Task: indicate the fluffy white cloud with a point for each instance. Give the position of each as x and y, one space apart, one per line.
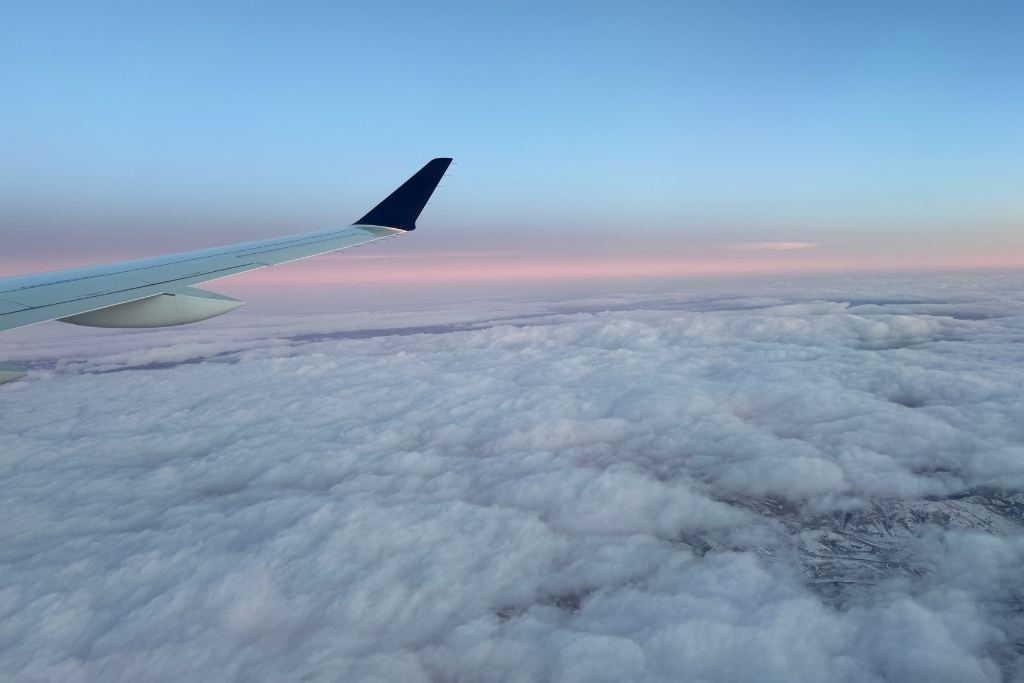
781 484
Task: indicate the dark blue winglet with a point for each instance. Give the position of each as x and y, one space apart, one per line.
403 206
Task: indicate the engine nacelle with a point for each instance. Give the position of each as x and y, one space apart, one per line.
188 306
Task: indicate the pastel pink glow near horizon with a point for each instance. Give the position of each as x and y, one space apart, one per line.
493 266
540 269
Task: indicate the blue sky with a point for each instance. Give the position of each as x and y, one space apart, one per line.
576 125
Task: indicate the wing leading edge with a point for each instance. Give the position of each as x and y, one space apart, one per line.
29 299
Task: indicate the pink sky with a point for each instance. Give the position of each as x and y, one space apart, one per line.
392 264
422 271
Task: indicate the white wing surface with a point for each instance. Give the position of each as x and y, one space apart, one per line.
158 291
28 299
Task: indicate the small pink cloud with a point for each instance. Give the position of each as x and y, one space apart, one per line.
773 246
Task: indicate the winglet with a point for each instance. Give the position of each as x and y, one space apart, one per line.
403 206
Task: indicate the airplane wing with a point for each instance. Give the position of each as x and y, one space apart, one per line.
158 291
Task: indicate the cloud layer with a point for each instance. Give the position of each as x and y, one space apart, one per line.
780 484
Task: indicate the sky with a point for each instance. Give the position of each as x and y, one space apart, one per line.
703 364
755 484
601 142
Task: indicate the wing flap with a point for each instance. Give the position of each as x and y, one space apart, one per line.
33 297
10 306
